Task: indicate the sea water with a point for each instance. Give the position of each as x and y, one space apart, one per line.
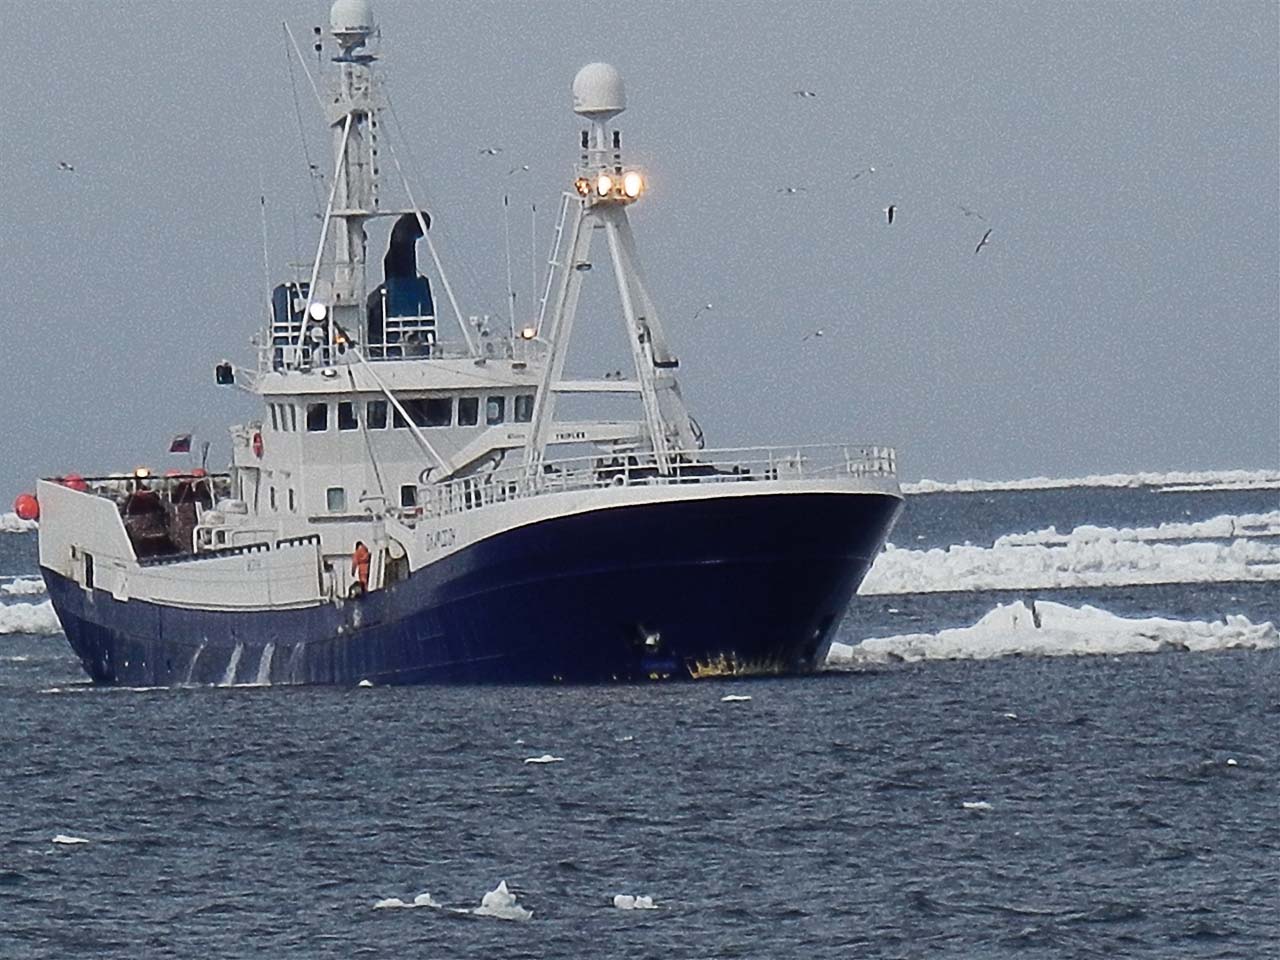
1038 803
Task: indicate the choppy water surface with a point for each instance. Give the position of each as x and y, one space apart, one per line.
1023 807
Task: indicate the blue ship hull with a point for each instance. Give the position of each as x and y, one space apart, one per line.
679 589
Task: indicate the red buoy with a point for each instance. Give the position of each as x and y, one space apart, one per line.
74 481
26 506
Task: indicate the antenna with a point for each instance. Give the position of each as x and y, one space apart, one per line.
511 289
266 264
533 251
599 96
351 22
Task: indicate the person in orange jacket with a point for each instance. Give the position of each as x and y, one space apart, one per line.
360 565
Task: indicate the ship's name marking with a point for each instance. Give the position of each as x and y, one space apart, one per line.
439 539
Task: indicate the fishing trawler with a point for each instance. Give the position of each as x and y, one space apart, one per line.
408 508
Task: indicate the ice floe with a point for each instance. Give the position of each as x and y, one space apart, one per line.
1225 527
1090 556
545 758
68 840
1197 479
978 806
625 901
421 900
735 698
1054 630
22 586
12 523
31 618
501 903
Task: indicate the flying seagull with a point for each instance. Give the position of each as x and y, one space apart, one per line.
491 151
803 94
815 333
889 211
867 171
515 170
66 167
702 309
983 242
791 190
970 213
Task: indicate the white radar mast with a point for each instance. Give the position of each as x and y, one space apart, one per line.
336 304
603 188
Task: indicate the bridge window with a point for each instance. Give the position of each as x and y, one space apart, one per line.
468 411
495 410
430 411
408 495
439 411
347 416
292 411
317 417
524 408
375 414
275 422
336 499
272 491
292 506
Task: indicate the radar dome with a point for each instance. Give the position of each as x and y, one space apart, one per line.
351 17
597 92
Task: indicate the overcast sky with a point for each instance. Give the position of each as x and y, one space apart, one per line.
1123 317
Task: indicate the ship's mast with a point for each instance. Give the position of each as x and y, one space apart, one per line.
603 189
352 115
353 120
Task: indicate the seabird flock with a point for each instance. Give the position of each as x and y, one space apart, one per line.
891 211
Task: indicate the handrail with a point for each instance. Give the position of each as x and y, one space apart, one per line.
803 462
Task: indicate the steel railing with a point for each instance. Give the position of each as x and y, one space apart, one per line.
747 464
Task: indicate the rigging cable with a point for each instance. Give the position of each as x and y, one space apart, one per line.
297 112
426 235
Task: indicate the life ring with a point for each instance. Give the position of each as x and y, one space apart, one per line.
619 480
256 443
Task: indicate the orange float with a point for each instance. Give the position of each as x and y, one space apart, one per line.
26 506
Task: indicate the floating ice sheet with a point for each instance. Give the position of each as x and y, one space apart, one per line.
545 758
12 523
68 840
1090 556
1199 479
32 618
1055 630
21 586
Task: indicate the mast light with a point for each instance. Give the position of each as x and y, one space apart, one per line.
632 184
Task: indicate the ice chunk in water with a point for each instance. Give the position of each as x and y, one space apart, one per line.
625 901
501 903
